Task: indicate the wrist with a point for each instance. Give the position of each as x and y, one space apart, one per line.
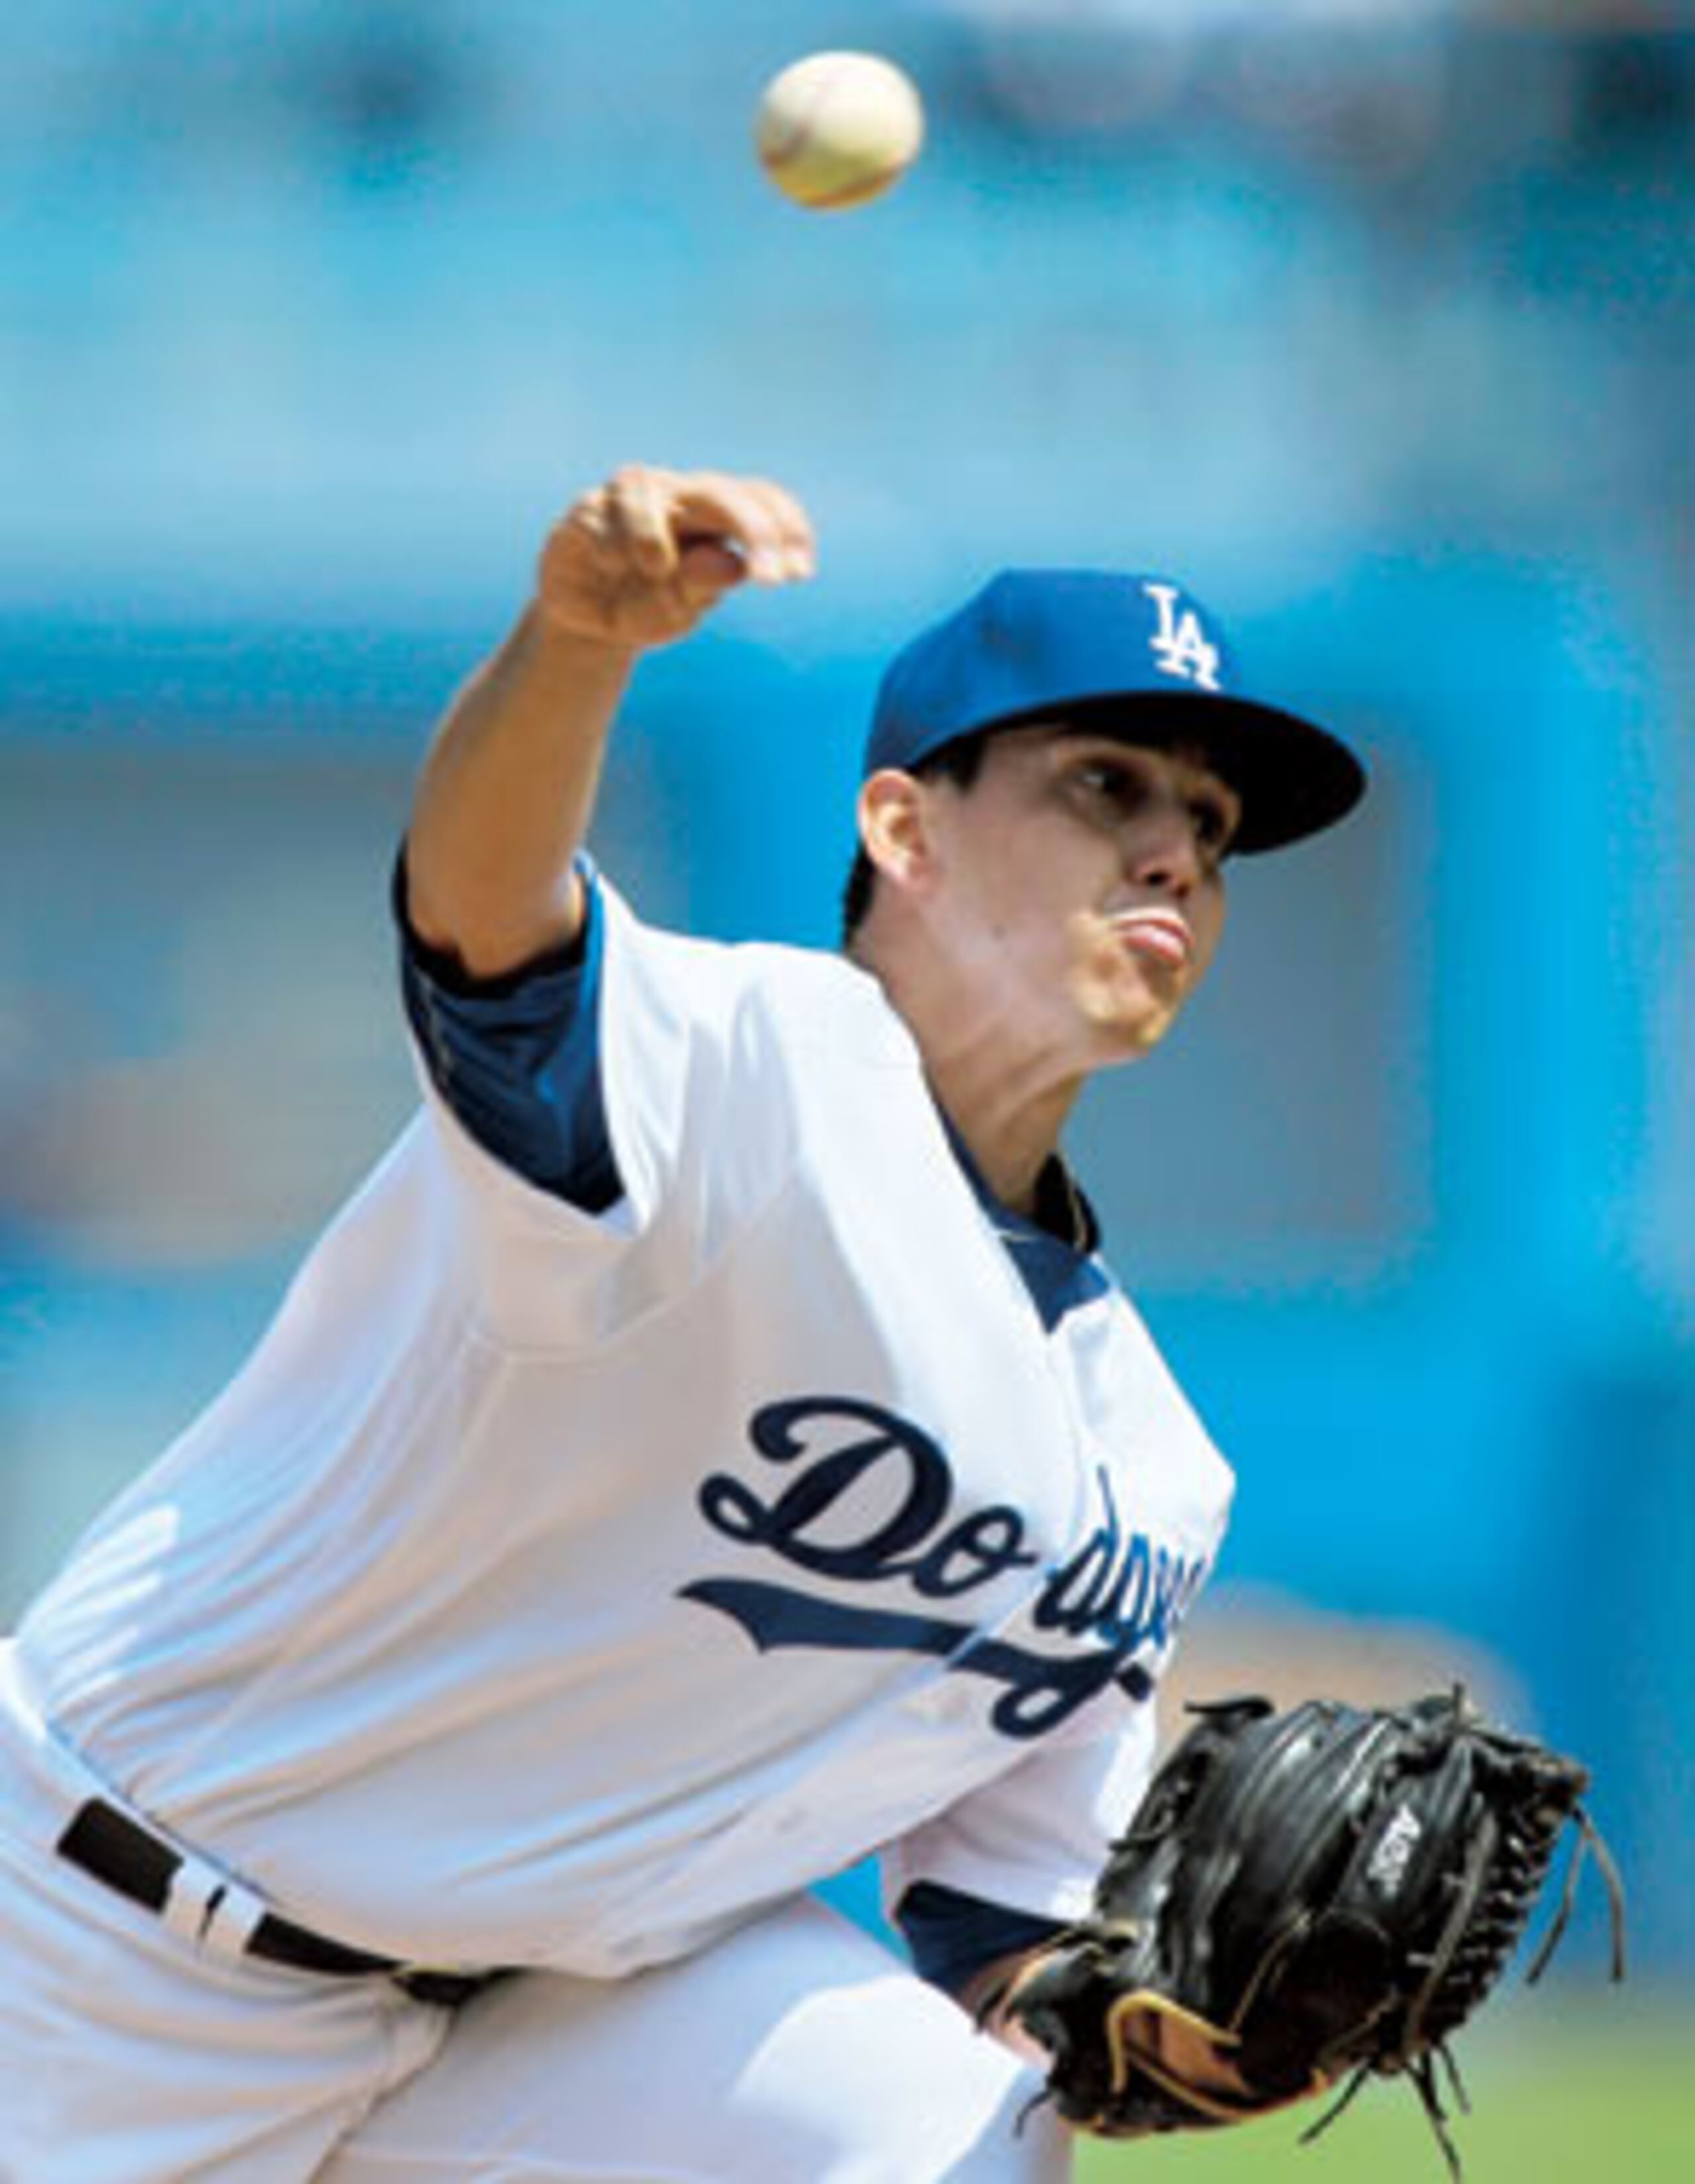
550 633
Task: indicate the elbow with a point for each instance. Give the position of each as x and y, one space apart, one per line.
475 921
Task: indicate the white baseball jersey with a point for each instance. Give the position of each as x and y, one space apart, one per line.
559 1588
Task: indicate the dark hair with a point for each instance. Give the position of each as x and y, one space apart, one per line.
959 762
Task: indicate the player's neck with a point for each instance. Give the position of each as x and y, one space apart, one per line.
1007 1097
1010 1138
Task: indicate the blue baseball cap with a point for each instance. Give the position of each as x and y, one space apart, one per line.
1134 656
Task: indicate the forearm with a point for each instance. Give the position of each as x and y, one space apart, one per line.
504 796
505 793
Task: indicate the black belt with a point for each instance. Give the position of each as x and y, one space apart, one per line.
119 1850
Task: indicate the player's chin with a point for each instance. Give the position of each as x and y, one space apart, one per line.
1129 1014
1148 1035
1126 1031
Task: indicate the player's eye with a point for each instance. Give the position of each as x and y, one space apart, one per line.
1114 788
1214 825
1111 781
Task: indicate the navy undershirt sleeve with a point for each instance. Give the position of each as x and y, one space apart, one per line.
517 1057
954 1936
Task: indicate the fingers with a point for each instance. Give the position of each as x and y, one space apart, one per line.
708 568
641 560
761 530
635 521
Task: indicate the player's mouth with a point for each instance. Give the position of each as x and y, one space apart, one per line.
1161 934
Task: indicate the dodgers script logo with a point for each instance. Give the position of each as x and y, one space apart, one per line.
869 1501
1180 643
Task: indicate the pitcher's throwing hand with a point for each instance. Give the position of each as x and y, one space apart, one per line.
641 560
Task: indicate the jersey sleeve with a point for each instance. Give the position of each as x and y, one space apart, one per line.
517 1057
1033 1840
954 1937
604 1123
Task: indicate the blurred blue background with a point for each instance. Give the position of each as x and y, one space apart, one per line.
1374 323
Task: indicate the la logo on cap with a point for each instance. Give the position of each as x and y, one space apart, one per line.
1179 644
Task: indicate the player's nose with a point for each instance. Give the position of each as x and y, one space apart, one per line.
1164 853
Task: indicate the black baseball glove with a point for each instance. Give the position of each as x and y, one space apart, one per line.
1304 1898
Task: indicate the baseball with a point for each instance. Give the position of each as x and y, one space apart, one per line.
838 129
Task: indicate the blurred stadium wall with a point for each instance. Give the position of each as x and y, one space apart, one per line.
1374 322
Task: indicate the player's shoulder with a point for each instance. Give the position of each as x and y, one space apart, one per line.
763 990
809 983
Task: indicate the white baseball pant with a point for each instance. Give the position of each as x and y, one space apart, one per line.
799 2051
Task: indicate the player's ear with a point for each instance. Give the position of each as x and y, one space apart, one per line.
894 828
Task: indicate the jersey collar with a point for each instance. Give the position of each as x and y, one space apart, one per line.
1054 1255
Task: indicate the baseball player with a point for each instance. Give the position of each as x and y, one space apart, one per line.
707 1449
